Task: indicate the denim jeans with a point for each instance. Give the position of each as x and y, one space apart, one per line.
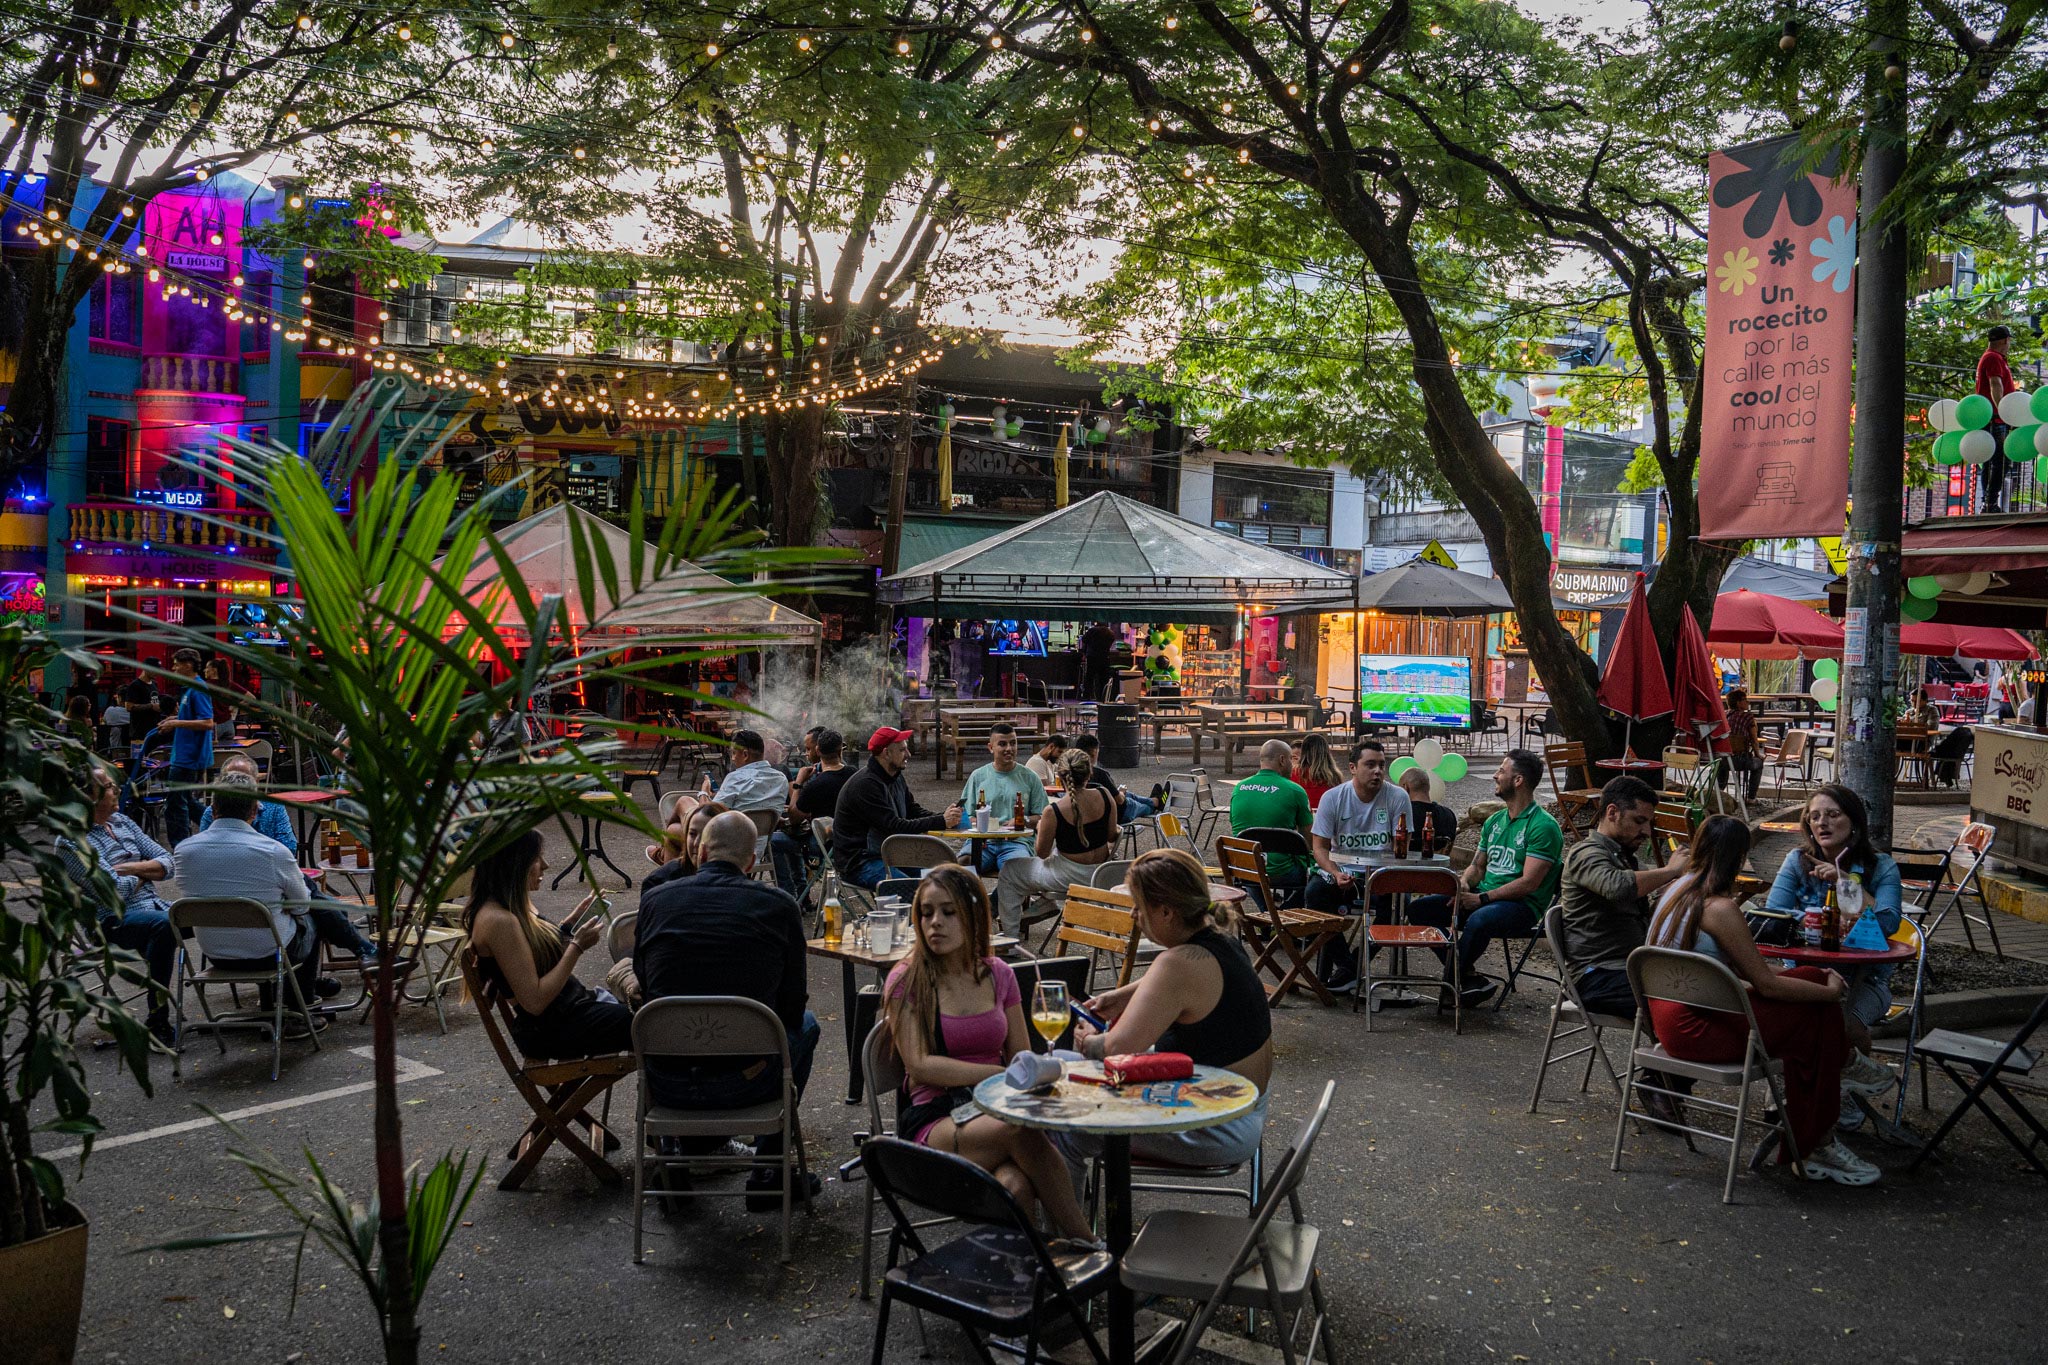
1482 925
1135 808
787 851
146 931
991 854
870 871
181 808
738 1091
333 927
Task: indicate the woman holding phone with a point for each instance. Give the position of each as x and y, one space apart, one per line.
554 1015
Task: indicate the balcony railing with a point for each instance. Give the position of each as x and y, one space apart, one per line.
127 523
191 373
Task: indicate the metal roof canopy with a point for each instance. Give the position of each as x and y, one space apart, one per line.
1419 588
1108 555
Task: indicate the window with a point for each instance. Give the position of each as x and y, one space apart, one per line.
111 311
106 455
192 330
1273 495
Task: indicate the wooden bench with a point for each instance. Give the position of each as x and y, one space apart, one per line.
960 728
1235 736
1160 721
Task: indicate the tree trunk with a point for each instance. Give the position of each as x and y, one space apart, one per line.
401 1325
35 409
795 448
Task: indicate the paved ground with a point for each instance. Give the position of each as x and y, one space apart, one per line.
1460 1227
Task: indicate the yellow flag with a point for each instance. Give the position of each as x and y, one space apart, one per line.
1059 469
945 459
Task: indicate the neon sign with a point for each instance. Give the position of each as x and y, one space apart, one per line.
174 497
24 598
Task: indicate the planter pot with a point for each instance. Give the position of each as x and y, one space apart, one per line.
42 1290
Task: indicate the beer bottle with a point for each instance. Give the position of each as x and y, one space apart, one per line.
1428 834
1017 813
1401 835
1831 924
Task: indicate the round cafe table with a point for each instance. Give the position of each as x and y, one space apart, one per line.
1845 957
1073 1105
1628 765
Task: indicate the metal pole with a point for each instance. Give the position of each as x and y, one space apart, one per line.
1866 715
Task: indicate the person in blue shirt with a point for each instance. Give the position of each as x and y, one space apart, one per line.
1835 848
191 748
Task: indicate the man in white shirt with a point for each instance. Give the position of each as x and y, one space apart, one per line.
753 783
1045 763
232 857
1357 818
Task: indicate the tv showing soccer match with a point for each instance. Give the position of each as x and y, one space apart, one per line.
1429 690
1017 637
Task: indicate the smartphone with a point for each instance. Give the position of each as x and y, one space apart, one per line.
601 906
1081 1012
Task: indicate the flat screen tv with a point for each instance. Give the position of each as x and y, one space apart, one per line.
1433 691
1025 638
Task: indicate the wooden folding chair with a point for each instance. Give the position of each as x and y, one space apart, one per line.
1280 938
1671 825
1101 921
559 1093
1571 782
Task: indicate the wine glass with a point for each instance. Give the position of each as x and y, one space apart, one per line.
1049 1014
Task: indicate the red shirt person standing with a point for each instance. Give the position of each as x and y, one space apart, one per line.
1994 381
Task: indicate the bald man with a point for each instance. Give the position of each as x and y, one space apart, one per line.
1270 799
720 932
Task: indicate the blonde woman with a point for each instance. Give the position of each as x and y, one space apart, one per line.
553 1014
957 1017
1076 834
1200 997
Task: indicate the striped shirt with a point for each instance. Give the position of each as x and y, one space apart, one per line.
120 840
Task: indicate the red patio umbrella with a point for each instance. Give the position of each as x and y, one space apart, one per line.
1697 711
1967 642
1634 685
1755 625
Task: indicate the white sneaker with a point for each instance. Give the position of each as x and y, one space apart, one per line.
1865 1075
1837 1163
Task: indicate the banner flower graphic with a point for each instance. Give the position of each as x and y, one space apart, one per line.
1837 253
1737 271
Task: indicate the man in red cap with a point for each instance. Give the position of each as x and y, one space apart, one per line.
876 803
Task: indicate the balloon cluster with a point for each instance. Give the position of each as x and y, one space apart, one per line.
1164 644
1827 683
1965 440
1919 603
1443 768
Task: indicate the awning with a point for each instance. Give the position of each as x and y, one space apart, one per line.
930 537
1997 544
1942 640
1109 556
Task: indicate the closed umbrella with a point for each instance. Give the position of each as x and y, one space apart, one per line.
1756 625
1634 686
1059 469
945 461
1696 702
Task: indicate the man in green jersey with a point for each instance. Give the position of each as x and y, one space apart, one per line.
1270 799
1512 878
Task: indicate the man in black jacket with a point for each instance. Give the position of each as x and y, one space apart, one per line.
876 803
720 932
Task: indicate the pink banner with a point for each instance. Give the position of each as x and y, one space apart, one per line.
1774 408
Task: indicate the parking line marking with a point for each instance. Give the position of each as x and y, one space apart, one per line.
408 1070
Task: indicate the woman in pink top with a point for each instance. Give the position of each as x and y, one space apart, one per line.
957 1018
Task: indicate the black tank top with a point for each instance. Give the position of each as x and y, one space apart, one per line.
1241 1022
1075 839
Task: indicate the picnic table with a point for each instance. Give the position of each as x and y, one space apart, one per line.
1230 724
960 724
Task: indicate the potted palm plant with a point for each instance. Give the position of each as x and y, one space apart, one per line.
416 628
56 978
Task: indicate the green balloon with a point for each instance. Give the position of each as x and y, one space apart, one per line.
1948 448
1924 587
1826 704
1974 412
1826 668
1401 765
2039 402
1453 767
2021 440
2041 466
1917 609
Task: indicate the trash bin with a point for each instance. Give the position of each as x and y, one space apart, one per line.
1116 725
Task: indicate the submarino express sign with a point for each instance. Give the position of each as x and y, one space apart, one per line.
1781 260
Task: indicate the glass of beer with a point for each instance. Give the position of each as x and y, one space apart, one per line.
1049 1013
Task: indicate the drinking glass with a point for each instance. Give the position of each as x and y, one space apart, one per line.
1049 1014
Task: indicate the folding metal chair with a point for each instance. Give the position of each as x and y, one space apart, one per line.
1258 1262
1703 983
917 851
884 1070
1991 1062
1405 882
1568 1005
1976 841
190 914
687 1028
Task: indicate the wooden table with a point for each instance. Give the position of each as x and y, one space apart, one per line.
849 957
958 724
1214 1096
1230 724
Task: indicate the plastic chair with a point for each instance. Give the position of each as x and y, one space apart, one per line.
999 1279
189 914
1252 1263
1568 1005
1412 881
1705 983
684 1027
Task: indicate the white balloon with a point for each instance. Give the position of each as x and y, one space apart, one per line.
1437 788
1941 414
1951 582
1978 582
2016 409
1978 446
1429 753
1824 689
2040 441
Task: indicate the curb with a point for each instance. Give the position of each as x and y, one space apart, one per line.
1967 1010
